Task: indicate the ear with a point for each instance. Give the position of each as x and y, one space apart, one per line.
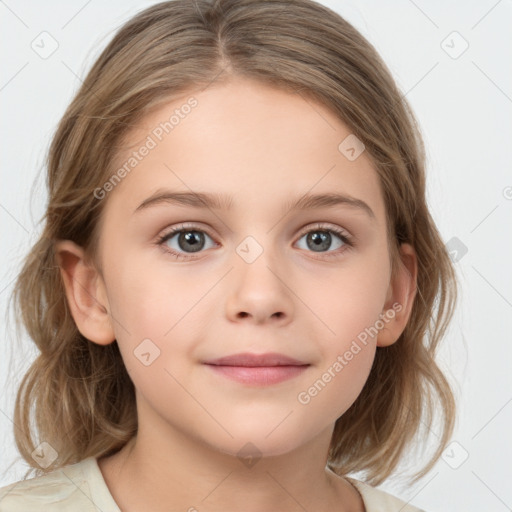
400 297
85 292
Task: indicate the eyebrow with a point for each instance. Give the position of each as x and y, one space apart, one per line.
225 202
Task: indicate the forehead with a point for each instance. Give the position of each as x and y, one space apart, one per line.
253 142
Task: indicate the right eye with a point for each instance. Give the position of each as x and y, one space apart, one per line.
185 240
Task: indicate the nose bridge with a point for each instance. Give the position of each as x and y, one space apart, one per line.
262 245
256 259
259 224
253 247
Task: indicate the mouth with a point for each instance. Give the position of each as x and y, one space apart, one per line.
257 369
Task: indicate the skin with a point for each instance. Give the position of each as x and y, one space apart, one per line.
264 146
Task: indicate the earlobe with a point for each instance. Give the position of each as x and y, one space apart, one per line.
400 298
85 293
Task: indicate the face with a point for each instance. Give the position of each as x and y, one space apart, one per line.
252 274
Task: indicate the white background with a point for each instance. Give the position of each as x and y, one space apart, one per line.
464 106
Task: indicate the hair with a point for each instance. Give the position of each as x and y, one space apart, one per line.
81 396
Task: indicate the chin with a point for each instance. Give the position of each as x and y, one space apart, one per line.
260 444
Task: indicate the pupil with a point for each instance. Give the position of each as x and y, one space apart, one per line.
193 238
320 239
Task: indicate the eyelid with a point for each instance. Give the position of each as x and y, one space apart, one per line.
197 226
325 226
184 226
191 225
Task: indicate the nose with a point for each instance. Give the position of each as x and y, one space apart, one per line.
259 317
259 294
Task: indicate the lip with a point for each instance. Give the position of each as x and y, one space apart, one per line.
255 360
257 369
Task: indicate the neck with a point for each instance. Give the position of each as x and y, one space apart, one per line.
180 473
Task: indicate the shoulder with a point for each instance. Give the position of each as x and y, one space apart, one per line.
64 489
376 500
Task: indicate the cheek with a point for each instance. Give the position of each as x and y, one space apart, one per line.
347 301
158 315
348 305
337 385
147 296
346 340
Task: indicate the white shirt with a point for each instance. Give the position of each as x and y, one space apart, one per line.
81 487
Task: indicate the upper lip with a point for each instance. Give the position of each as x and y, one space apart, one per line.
248 359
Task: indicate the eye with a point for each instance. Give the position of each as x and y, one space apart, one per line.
189 239
320 238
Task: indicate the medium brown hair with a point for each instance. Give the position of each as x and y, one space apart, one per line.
80 393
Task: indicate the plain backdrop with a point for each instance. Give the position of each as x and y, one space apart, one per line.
452 61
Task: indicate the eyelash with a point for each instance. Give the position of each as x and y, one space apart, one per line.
343 235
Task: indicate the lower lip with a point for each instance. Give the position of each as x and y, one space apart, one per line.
258 375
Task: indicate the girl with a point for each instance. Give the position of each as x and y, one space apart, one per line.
293 343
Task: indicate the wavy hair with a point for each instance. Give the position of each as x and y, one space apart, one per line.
81 396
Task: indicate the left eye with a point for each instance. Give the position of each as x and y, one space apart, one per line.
321 239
